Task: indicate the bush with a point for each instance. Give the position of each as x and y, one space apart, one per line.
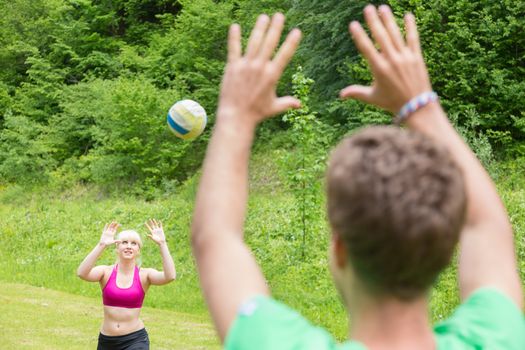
117 129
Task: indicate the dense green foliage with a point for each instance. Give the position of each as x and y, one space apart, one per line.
85 85
475 51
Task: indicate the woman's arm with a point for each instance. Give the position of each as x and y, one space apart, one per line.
86 271
169 273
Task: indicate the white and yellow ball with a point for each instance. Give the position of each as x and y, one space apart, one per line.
187 119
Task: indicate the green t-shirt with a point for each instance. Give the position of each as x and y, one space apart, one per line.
487 320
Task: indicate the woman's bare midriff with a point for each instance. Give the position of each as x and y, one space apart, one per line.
121 321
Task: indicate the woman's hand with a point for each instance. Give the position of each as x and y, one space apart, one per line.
108 234
156 231
398 67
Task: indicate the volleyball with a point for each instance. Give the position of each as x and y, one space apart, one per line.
187 119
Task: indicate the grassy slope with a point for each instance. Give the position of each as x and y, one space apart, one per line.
39 318
44 236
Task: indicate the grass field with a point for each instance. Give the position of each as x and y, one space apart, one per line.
40 318
45 234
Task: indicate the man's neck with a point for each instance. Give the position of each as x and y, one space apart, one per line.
392 324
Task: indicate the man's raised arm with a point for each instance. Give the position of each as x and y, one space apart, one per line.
228 272
487 256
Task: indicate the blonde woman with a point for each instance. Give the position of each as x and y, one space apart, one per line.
125 284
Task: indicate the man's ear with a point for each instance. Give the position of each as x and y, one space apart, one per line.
340 252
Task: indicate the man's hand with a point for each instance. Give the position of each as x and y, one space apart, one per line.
249 82
398 67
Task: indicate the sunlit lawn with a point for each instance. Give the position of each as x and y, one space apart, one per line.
39 318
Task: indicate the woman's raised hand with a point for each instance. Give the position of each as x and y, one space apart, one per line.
156 231
108 234
398 67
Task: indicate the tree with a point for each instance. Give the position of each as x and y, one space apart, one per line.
306 163
475 51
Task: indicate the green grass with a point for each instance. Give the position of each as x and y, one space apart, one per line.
40 318
45 234
44 237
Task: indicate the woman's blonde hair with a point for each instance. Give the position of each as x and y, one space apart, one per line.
131 234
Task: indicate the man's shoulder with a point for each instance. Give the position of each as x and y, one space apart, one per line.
488 319
264 323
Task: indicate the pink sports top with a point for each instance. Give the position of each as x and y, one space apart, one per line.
130 298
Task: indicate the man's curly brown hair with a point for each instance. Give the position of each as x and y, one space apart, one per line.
398 201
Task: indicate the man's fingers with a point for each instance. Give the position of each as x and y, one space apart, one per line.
412 34
272 37
358 92
364 44
287 50
282 104
378 30
257 36
391 26
234 43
